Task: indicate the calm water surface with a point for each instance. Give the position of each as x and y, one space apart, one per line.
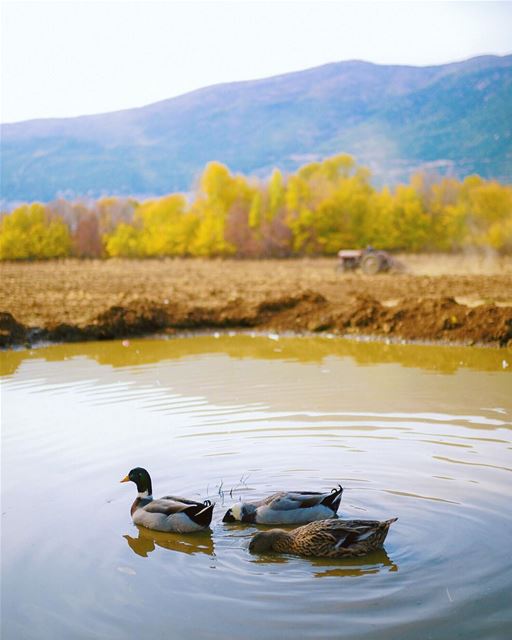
418 432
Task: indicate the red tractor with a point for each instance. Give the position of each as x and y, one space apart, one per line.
369 260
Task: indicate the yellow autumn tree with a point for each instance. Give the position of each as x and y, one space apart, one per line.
342 218
218 192
322 207
410 226
160 227
447 225
488 212
31 232
166 227
276 194
327 205
300 207
124 242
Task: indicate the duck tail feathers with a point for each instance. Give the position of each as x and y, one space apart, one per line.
333 499
201 514
382 531
389 522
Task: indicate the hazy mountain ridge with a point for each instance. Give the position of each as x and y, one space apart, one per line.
455 117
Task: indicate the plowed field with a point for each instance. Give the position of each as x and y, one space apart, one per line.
438 299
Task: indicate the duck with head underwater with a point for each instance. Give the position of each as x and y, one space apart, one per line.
325 538
168 513
287 507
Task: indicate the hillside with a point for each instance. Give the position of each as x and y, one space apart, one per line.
454 118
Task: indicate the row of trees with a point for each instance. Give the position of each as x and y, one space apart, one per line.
318 210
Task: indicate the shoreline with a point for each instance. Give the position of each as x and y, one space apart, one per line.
443 322
271 335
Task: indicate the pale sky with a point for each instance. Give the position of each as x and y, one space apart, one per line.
71 57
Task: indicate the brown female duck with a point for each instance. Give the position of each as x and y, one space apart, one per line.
325 538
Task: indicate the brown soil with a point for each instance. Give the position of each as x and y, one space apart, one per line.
77 300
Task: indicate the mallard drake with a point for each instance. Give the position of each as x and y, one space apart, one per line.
294 507
169 513
325 538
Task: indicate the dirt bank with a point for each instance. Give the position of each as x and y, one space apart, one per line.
80 300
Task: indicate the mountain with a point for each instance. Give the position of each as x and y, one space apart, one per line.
455 119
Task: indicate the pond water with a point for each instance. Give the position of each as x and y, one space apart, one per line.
418 432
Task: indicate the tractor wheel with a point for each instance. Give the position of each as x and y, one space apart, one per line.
371 264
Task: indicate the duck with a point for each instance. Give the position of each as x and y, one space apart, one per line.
168 513
331 538
293 507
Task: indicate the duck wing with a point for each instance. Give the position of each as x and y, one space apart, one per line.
289 501
182 500
285 501
327 536
168 506
198 512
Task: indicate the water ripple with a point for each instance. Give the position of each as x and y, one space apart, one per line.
428 448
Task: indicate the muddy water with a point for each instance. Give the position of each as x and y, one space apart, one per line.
422 433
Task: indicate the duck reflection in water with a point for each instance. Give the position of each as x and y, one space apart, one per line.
148 540
375 562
